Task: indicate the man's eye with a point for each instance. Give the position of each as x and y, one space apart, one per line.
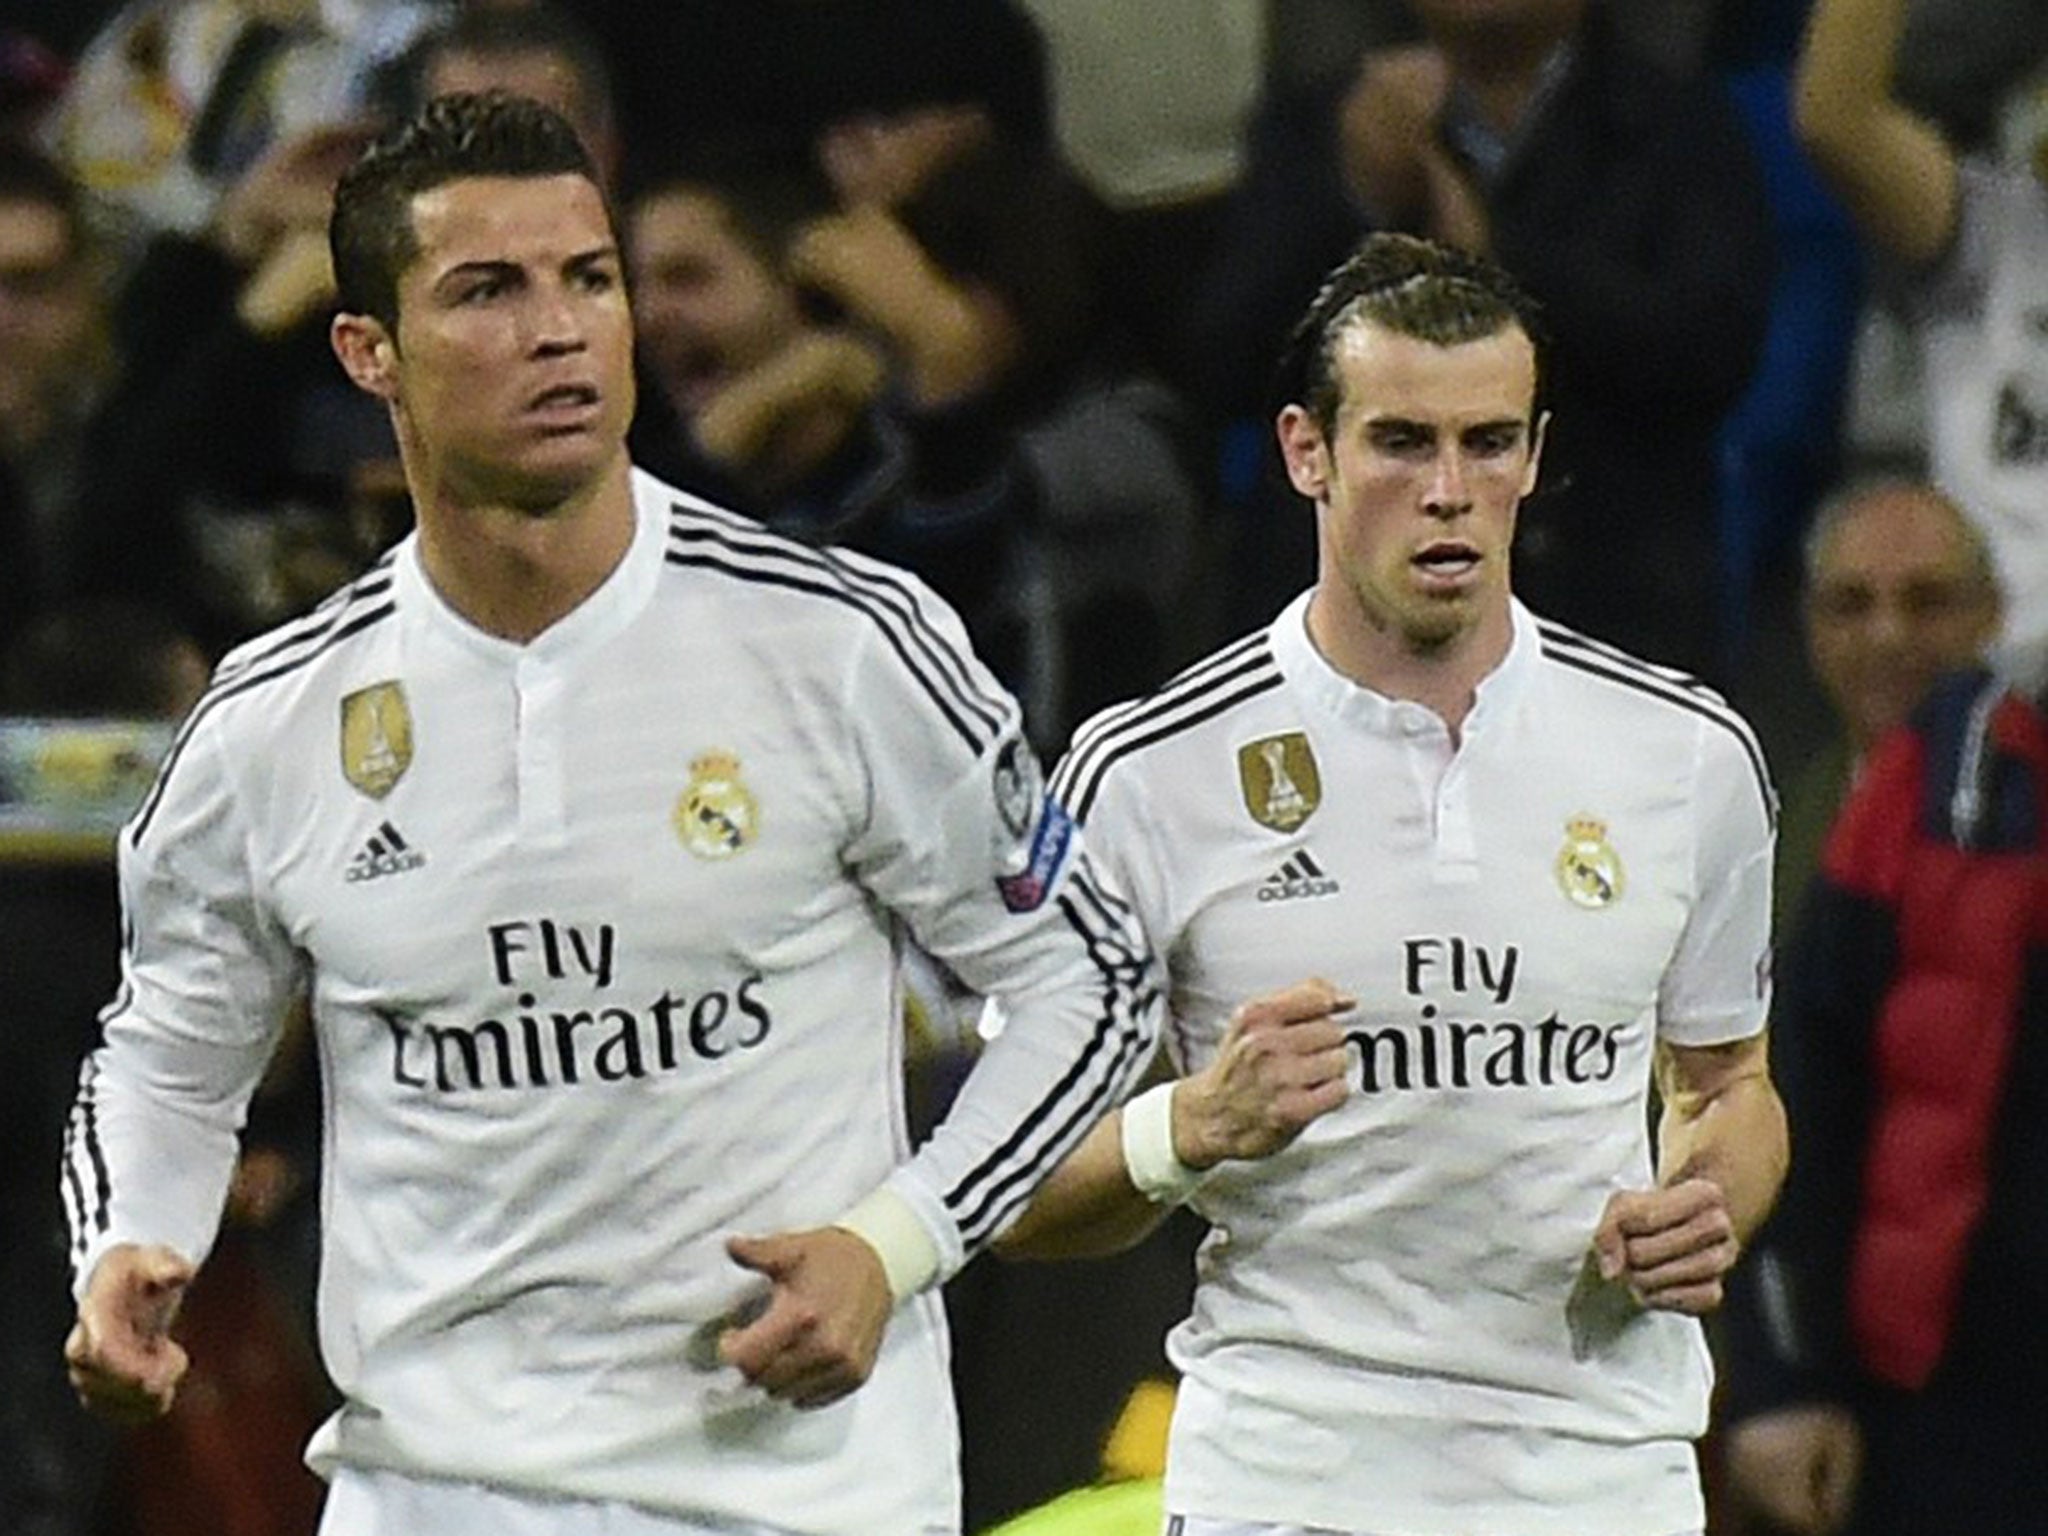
1401 440
1843 603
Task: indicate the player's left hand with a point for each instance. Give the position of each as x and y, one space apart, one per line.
1671 1247
819 1335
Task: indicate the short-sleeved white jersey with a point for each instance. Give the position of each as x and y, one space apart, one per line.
1395 1327
600 935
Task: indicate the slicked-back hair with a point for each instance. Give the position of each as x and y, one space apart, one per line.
1413 287
371 234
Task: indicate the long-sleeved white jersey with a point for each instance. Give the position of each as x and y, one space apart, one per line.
600 936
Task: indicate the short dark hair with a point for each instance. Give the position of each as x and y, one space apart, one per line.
371 233
1413 287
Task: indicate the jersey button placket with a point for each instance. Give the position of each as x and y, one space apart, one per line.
542 733
1457 854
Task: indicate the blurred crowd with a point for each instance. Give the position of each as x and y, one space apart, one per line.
990 288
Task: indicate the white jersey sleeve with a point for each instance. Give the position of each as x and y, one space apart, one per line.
1718 985
986 869
205 979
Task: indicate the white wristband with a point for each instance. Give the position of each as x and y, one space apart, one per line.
884 1220
1149 1158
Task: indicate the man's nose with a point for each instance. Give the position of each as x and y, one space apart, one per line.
1448 492
556 322
1888 623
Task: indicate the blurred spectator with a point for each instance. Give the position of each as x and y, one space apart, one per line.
1625 198
1883 1354
766 398
174 101
971 254
760 401
56 359
1965 239
920 384
1899 589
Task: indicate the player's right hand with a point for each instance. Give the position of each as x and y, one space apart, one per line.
1797 1467
1282 1063
818 1336
121 1357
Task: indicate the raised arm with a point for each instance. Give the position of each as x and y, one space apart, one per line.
1893 169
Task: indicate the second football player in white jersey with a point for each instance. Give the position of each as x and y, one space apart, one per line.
1450 1282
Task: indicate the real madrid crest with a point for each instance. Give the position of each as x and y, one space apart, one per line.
1588 869
376 738
1282 786
716 815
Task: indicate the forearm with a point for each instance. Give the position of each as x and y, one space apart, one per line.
140 1166
1894 171
1082 1015
1089 1208
1281 1064
1844 75
1731 1131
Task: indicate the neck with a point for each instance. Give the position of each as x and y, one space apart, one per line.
515 573
1443 678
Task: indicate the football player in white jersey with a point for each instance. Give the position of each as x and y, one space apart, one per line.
1451 1287
592 819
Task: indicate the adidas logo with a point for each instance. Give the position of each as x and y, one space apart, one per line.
1299 878
386 853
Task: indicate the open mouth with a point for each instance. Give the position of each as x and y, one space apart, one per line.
565 409
1446 561
564 397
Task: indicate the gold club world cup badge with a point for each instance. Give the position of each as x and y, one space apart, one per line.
1281 783
716 815
1588 869
376 738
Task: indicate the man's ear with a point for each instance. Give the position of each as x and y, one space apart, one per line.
1305 450
368 353
1536 440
